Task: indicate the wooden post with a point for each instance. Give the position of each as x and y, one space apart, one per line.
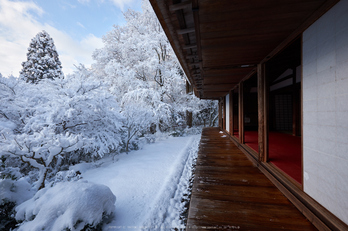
224 113
241 113
188 113
295 106
262 92
220 114
231 112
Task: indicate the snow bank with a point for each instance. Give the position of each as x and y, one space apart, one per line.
67 205
149 183
168 206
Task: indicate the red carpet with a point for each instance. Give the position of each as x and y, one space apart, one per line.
284 152
251 139
236 133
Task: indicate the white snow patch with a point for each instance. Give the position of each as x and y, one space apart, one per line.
148 183
67 205
7 124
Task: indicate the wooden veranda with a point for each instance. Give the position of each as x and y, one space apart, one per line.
230 193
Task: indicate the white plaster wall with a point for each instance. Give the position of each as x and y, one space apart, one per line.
325 110
227 119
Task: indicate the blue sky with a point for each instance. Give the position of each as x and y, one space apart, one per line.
76 27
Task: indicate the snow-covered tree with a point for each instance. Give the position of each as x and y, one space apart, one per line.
42 124
141 109
207 113
42 60
137 56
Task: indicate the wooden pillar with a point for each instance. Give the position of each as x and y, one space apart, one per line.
188 113
296 131
220 114
262 93
241 113
231 112
224 112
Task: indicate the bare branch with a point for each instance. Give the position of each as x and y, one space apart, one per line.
2 113
18 144
11 88
65 128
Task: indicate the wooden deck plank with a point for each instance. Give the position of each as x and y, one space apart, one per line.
230 193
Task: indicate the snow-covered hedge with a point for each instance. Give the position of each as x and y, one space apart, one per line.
66 205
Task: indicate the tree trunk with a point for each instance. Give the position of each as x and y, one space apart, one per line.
189 119
42 184
127 144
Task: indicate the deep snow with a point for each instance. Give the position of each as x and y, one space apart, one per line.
149 183
66 205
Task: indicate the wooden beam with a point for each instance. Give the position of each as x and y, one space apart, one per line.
214 94
186 31
191 56
218 87
216 80
198 79
189 46
180 6
194 64
251 73
263 113
196 21
227 67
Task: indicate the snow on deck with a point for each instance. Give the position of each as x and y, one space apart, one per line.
148 183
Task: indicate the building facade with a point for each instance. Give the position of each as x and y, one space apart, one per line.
280 73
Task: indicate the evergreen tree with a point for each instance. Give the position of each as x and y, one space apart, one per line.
42 60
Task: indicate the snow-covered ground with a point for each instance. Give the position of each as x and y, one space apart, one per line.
148 184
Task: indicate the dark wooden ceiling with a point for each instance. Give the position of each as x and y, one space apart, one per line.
220 42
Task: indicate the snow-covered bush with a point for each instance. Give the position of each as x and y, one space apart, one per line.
67 205
64 176
12 193
42 60
15 190
57 122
